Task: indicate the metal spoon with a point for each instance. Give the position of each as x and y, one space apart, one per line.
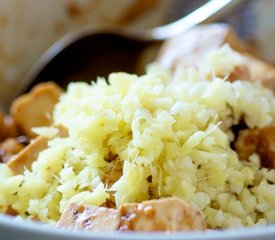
97 51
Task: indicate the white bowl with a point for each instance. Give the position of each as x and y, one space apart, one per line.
260 32
14 229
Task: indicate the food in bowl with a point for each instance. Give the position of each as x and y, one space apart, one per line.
173 151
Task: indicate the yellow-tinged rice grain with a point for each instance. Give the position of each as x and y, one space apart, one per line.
148 137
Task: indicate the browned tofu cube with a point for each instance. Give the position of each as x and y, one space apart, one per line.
266 146
27 155
9 148
24 159
246 143
191 47
260 141
168 214
35 108
260 71
85 217
8 127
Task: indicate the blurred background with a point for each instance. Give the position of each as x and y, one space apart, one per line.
29 27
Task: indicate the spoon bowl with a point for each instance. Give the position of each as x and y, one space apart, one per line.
99 50
91 56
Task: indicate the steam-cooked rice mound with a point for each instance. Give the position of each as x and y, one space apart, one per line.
153 136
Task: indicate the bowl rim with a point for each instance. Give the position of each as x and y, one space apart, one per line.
21 227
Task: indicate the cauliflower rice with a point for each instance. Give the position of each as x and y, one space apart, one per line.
153 136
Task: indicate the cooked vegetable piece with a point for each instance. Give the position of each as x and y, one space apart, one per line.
34 109
84 217
168 214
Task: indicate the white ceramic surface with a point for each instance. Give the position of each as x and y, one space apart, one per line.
11 229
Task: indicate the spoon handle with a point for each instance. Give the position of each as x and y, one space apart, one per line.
209 11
